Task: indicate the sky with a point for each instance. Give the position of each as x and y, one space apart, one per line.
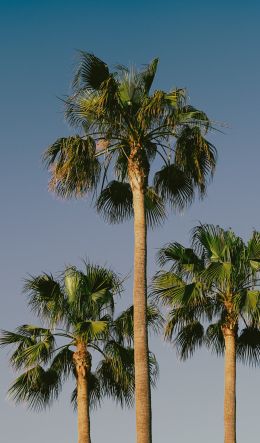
210 48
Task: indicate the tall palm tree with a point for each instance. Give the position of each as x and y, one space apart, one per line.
78 308
123 127
216 281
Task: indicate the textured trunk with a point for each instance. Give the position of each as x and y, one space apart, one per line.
82 361
138 171
230 386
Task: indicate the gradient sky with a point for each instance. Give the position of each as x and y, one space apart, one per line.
212 48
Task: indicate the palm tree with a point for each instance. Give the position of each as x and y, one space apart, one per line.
214 281
79 310
123 127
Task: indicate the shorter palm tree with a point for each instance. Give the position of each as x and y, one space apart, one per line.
216 281
78 308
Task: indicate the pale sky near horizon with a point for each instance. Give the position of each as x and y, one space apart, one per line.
212 49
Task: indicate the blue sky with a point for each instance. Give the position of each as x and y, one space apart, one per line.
211 48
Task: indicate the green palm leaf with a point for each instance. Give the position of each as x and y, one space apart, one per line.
195 155
115 204
45 297
180 258
95 392
62 363
33 345
154 208
214 338
148 75
116 373
91 72
174 186
248 346
91 330
75 168
36 387
123 325
189 338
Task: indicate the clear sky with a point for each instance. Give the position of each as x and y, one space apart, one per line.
212 48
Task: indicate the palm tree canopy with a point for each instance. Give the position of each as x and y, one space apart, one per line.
77 307
215 282
118 118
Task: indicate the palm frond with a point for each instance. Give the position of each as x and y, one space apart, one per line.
123 325
95 392
174 186
214 338
130 88
248 346
148 75
153 111
192 116
90 330
115 203
154 208
162 285
153 369
177 98
248 304
103 283
189 338
45 297
196 156
73 166
36 388
91 72
116 373
90 293
209 241
33 345
217 273
62 363
180 258
253 249
37 353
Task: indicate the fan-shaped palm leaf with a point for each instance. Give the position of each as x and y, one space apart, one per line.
74 167
45 297
36 387
91 72
248 346
189 338
174 185
115 203
123 326
195 155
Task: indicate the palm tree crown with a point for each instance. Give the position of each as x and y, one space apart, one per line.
124 125
215 283
78 312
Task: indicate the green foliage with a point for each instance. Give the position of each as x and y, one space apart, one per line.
123 326
216 282
91 72
77 169
114 112
174 185
115 204
78 307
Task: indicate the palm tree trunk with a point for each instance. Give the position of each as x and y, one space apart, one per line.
230 386
141 352
82 361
